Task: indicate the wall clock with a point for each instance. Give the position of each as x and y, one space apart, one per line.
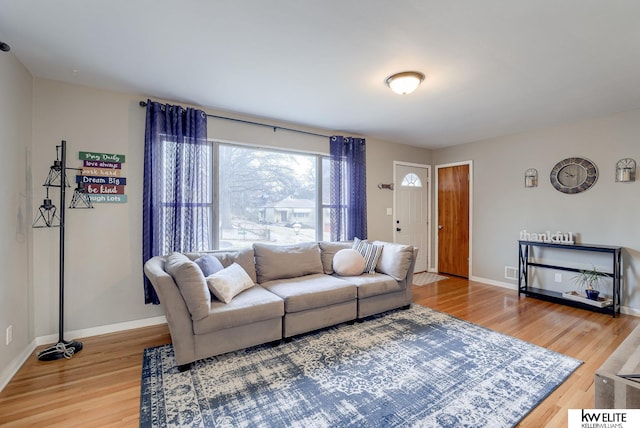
574 175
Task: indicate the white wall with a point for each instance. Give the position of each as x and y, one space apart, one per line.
104 250
605 214
15 210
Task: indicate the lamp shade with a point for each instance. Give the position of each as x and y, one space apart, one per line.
405 83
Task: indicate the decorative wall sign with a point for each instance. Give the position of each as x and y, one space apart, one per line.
102 164
110 189
89 179
101 176
117 199
553 238
110 157
102 172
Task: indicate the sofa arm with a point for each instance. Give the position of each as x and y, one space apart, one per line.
175 309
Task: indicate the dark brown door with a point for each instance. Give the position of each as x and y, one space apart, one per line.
453 220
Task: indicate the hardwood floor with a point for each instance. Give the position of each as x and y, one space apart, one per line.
100 386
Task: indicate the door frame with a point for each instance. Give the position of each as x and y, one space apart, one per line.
429 197
435 224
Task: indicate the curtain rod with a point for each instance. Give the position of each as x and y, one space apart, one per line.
248 122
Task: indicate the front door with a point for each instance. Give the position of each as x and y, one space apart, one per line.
411 192
453 220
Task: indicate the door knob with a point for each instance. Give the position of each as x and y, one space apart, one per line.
440 227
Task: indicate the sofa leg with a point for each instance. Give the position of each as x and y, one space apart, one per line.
184 367
359 320
287 339
275 343
406 307
351 322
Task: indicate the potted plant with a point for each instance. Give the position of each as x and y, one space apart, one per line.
590 280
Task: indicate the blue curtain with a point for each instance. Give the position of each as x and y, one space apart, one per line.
177 189
348 194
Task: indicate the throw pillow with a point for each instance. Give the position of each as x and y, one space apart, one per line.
395 260
328 250
191 283
348 262
209 264
229 282
370 252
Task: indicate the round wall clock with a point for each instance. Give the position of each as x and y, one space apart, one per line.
574 175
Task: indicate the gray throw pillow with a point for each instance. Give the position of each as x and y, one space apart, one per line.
209 265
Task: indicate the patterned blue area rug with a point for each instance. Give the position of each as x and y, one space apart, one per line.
416 367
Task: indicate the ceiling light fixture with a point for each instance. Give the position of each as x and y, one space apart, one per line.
404 83
4 47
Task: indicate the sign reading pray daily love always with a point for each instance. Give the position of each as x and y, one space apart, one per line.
102 177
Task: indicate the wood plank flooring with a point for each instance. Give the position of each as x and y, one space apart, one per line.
100 386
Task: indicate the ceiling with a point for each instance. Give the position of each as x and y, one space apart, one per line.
494 67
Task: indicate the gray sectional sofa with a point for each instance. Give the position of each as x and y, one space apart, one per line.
296 291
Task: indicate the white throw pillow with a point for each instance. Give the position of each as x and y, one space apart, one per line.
229 282
348 262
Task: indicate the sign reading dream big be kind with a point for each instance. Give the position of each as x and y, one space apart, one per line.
102 177
553 238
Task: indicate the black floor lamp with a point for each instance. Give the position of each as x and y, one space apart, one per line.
48 216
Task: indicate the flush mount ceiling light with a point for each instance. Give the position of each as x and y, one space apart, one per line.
404 83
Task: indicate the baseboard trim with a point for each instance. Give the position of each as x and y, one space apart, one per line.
103 329
493 282
10 371
623 309
12 368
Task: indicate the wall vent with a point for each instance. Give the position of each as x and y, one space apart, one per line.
510 272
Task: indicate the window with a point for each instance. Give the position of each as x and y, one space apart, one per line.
411 180
267 195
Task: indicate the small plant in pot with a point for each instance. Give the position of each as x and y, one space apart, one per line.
590 280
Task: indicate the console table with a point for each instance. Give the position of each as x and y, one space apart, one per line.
524 253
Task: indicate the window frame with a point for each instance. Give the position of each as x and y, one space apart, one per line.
215 209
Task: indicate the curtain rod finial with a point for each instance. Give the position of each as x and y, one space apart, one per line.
143 103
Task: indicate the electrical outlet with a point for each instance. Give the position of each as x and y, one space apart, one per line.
9 334
558 277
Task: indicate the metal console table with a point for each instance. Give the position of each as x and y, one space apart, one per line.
524 253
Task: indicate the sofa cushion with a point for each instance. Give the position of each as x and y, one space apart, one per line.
370 252
286 261
348 262
252 305
394 260
242 256
375 284
229 282
208 264
312 291
328 250
191 283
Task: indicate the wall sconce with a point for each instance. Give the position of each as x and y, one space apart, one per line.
625 170
385 186
531 178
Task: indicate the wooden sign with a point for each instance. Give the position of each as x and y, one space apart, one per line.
114 199
101 175
102 172
89 179
105 157
102 164
104 189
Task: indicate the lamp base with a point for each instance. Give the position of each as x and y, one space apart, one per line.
62 349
